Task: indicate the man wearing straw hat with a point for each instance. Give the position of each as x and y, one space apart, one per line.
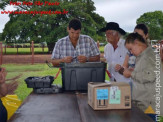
115 51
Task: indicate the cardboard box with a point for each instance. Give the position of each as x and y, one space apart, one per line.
103 96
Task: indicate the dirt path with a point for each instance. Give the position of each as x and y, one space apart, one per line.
25 58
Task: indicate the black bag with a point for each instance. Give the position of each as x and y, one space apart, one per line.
39 82
53 89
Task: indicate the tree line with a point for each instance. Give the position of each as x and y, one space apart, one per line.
24 28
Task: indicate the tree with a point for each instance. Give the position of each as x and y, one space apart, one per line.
0 36
49 28
154 21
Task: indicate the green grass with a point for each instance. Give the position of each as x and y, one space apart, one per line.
101 49
24 50
27 70
36 50
161 119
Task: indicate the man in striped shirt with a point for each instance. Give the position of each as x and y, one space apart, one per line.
75 47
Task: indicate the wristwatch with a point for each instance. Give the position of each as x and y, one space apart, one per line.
121 70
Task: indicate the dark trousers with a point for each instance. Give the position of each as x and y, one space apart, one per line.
3 113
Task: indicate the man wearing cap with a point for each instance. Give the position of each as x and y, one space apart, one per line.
114 51
75 47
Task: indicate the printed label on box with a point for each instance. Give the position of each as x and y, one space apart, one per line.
115 95
102 94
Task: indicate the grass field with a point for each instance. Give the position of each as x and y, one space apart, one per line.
24 50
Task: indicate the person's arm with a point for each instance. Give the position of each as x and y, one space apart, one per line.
3 86
127 73
83 59
123 70
3 90
94 58
145 75
56 62
11 87
55 59
6 88
95 53
118 67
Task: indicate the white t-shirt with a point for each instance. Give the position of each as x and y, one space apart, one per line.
116 57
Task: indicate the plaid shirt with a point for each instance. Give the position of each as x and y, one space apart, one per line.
85 46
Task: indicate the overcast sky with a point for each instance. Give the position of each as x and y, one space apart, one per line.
124 12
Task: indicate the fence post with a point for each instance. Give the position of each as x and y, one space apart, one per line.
43 49
32 52
1 54
5 48
30 47
17 49
98 44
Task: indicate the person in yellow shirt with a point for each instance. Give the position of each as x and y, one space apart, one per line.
4 90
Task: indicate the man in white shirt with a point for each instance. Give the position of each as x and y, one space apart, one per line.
115 51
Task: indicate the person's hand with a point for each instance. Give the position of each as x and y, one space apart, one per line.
2 75
12 87
127 73
67 59
103 60
94 58
82 59
117 67
131 69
